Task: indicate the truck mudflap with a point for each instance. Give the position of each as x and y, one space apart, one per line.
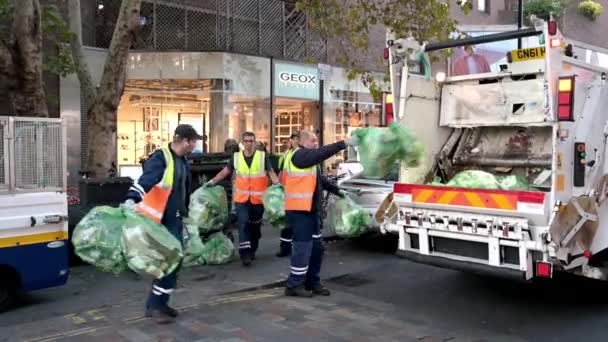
464 266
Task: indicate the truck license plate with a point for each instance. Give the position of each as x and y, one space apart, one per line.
528 54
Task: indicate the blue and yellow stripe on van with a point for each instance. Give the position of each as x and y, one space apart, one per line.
40 259
14 241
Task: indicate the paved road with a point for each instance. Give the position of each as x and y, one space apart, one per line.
377 297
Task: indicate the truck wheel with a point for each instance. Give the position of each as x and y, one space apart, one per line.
7 297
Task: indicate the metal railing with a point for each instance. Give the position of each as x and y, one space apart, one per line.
588 53
33 154
269 28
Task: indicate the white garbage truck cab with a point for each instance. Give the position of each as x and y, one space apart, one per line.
543 117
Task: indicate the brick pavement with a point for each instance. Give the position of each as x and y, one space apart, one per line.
263 315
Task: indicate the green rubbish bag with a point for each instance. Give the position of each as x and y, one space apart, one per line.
208 209
97 236
474 179
380 148
514 182
149 247
274 206
348 218
218 249
193 247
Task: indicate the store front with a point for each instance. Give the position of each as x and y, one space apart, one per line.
222 95
296 102
348 105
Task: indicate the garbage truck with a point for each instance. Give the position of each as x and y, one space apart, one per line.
541 117
33 206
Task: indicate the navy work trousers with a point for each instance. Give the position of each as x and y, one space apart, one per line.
307 249
250 227
163 287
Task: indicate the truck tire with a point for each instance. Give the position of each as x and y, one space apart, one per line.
7 297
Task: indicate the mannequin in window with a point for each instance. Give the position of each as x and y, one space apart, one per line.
470 63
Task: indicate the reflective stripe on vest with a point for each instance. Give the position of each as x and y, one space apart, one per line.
283 173
300 185
154 202
250 182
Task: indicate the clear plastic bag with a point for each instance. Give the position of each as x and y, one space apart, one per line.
348 218
97 239
514 182
208 209
149 247
474 179
274 206
380 148
218 249
193 248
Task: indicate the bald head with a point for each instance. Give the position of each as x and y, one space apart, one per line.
308 139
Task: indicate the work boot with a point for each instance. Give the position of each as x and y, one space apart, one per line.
247 260
159 316
171 311
321 291
297 292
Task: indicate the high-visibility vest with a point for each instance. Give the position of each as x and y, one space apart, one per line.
300 185
250 182
283 174
154 202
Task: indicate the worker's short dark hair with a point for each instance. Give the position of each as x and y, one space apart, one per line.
184 131
248 134
294 135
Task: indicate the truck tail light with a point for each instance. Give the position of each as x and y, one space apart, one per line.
388 109
552 27
565 99
386 53
544 269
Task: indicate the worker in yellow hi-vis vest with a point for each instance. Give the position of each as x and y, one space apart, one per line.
161 193
252 169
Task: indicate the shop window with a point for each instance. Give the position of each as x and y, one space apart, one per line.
293 115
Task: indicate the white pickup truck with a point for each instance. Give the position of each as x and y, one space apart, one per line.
33 206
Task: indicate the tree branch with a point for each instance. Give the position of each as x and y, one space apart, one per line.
71 10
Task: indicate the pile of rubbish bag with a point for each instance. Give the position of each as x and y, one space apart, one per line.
97 238
217 249
193 247
115 239
274 206
477 179
348 218
380 148
208 209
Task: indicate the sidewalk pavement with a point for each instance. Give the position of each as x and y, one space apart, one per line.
262 315
93 296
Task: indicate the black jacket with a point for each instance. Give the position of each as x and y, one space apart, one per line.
305 158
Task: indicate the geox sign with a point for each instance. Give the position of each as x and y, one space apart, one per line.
296 81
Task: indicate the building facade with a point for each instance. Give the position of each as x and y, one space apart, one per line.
224 66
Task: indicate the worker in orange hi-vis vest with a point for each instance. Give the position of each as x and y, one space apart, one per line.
304 185
286 233
251 170
161 193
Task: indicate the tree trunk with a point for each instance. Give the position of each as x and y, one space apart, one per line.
21 61
102 119
103 101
